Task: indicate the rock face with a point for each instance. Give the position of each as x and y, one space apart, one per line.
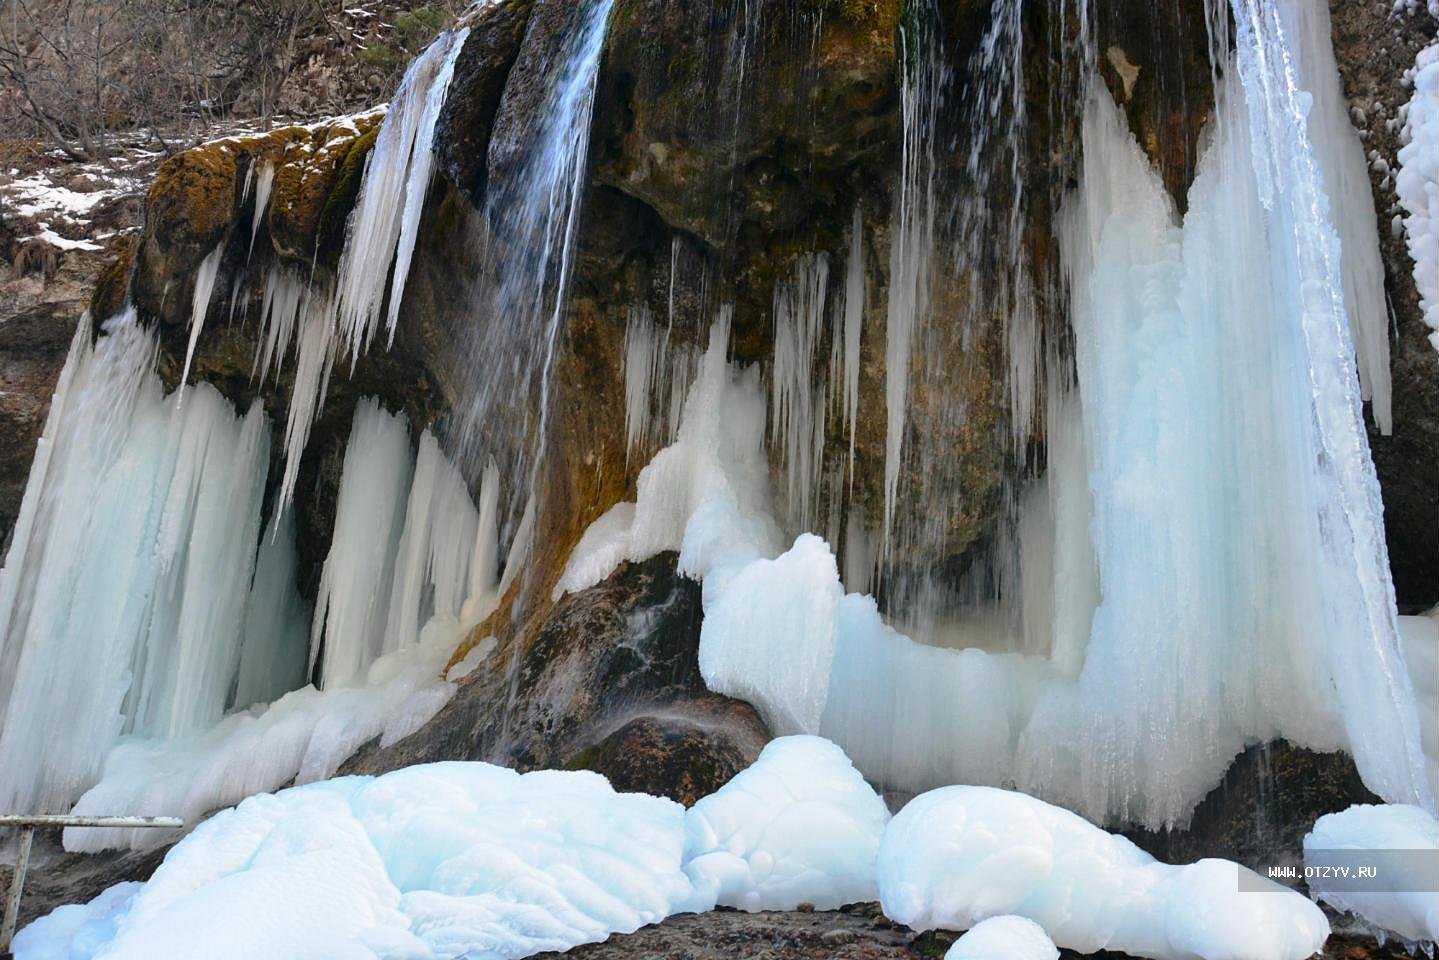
1374 46
857 932
605 680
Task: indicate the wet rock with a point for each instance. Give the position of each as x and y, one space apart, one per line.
1259 814
684 757
606 679
482 70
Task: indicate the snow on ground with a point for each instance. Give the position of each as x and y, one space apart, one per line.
959 855
799 826
1402 844
1004 938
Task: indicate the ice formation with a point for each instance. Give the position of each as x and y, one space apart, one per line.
467 859
262 183
75 930
205 275
800 825
1205 606
437 861
411 570
797 405
352 608
1375 700
1339 156
706 495
1401 844
384 225
302 737
139 553
132 555
1421 653
959 855
1004 938
1417 184
912 244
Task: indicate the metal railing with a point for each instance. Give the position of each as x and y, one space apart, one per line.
27 827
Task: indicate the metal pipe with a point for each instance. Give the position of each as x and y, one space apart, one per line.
17 884
27 825
64 820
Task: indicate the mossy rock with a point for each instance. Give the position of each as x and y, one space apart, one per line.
198 201
191 203
316 185
113 284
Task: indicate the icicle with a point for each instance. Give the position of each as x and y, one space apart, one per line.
432 565
644 359
912 236
385 222
797 403
352 608
205 276
854 304
315 359
1344 175
483 594
264 182
121 596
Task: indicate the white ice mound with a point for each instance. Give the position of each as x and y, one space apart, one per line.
1401 844
1004 938
799 826
959 855
434 861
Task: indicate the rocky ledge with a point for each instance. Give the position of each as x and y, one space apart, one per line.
856 932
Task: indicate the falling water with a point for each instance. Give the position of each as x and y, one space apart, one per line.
532 218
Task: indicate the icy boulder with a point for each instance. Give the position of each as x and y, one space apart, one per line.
1401 844
959 855
799 826
75 930
1004 938
435 861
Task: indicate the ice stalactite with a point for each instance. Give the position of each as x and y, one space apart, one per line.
352 608
1344 177
1373 686
412 557
205 275
123 591
264 182
644 361
385 222
432 576
411 569
852 331
1417 184
320 323
797 403
912 238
